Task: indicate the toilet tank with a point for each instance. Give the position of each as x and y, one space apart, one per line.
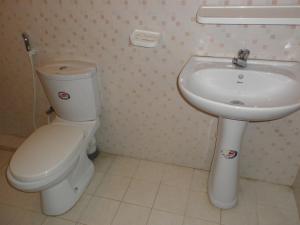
72 89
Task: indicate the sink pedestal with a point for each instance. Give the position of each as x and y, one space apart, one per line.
224 175
263 91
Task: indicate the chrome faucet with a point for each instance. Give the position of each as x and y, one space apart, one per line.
241 59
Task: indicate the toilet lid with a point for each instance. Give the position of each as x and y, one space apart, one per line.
48 150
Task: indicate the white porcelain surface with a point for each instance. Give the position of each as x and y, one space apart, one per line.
249 14
264 90
55 148
62 81
224 173
61 170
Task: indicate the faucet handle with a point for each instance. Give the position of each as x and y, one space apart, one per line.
243 54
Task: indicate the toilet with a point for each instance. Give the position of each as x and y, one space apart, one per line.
53 159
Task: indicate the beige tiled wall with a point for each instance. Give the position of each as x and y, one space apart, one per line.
143 113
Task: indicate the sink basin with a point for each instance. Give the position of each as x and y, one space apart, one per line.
264 90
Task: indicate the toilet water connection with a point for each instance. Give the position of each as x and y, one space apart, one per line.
31 53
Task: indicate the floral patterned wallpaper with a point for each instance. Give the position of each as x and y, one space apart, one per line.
143 114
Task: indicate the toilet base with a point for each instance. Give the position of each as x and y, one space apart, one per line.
61 197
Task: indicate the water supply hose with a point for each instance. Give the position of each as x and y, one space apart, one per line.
31 54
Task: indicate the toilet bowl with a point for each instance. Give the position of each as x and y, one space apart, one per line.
53 159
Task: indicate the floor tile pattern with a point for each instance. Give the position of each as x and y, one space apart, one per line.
128 191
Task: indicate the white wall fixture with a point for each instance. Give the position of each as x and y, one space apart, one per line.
276 15
145 38
258 91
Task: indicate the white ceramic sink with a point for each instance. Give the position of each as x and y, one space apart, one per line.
264 90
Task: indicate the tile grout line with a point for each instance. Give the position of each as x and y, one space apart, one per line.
188 197
81 213
104 175
26 210
154 200
160 183
121 201
89 200
256 205
93 194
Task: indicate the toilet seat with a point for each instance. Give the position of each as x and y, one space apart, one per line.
50 150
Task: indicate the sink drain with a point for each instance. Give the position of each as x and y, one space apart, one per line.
236 102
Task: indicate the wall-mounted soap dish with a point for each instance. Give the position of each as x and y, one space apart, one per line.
145 38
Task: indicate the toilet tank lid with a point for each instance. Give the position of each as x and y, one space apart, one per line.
49 149
67 70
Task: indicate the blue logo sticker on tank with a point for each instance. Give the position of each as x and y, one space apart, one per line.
63 95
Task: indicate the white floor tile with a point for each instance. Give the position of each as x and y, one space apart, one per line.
164 218
195 221
141 192
177 176
124 166
239 216
100 211
75 213
199 207
25 217
199 180
6 214
15 216
127 188
277 216
57 221
4 157
275 195
103 162
150 171
129 214
14 197
245 213
113 187
96 180
171 199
